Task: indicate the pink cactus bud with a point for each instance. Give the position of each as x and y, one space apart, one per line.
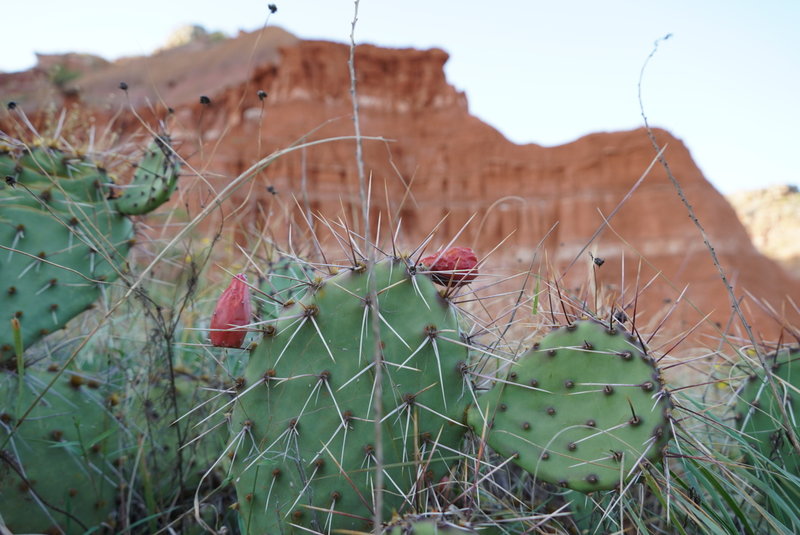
454 267
232 312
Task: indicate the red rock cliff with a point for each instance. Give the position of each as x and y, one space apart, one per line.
441 160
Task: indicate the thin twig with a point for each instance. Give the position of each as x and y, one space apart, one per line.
377 357
707 241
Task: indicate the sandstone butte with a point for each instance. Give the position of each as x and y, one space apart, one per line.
441 161
772 218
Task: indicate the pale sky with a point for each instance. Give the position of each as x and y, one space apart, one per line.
547 72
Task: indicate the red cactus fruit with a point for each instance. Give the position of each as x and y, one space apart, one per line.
453 267
232 312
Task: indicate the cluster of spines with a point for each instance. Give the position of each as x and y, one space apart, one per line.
154 181
284 281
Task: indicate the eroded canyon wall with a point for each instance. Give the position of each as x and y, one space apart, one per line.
437 160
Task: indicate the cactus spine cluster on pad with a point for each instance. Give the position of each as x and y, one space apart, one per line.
63 234
285 281
303 442
155 179
58 469
581 410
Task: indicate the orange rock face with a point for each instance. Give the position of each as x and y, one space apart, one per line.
437 160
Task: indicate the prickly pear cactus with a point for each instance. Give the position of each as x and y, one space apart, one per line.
303 433
155 179
286 281
421 526
759 412
179 448
581 410
63 238
589 511
57 469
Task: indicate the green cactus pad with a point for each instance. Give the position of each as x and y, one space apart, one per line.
303 426
581 410
57 265
759 413
427 527
155 179
34 165
66 448
286 281
50 180
62 237
151 420
47 161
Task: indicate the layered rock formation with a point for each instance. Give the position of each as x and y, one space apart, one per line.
170 77
439 161
772 219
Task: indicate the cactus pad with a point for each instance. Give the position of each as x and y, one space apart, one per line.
64 240
581 410
286 281
62 236
303 427
760 415
57 468
155 179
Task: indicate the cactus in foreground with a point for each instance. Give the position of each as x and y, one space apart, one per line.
174 455
63 236
422 526
57 469
759 412
581 410
286 280
155 179
303 443
767 421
